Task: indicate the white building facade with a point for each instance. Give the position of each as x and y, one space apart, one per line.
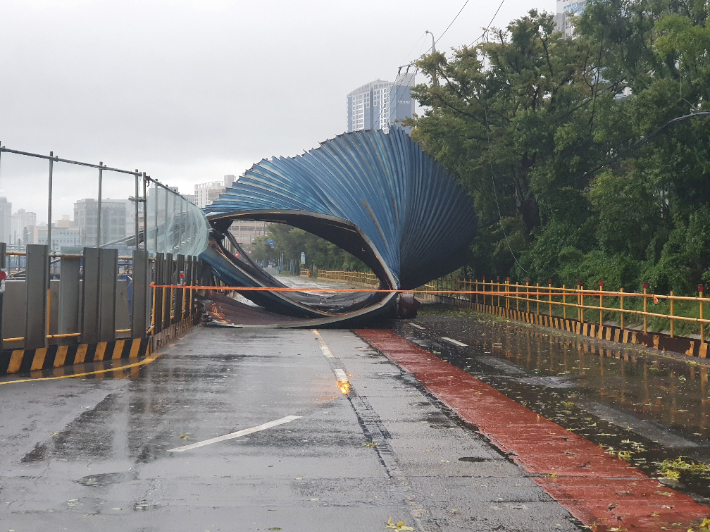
380 104
566 9
206 193
22 227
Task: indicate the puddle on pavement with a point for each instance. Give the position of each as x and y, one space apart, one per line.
642 407
106 479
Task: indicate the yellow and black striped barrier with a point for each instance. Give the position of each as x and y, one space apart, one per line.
55 356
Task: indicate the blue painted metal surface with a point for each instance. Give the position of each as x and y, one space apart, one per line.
377 195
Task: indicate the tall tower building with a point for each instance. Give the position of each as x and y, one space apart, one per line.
379 104
5 220
22 225
565 10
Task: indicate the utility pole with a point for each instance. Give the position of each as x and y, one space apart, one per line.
434 81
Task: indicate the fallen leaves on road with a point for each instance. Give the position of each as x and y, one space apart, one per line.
397 526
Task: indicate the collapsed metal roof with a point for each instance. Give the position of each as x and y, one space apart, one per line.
377 195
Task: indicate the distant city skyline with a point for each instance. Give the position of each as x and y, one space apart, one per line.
168 97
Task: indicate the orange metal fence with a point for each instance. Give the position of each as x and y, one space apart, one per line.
618 305
367 278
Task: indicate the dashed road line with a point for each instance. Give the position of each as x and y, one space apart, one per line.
237 434
340 375
455 342
418 326
323 346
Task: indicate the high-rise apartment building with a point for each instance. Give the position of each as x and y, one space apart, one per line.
565 10
22 227
206 193
113 220
5 220
379 104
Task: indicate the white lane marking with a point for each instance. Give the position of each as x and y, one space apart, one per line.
323 347
455 342
417 326
237 434
340 375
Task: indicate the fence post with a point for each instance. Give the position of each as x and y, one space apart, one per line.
564 302
671 313
498 288
621 307
476 292
507 290
527 295
645 303
601 311
580 302
537 298
49 211
517 298
98 218
701 289
549 295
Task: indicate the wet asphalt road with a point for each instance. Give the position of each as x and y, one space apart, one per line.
94 453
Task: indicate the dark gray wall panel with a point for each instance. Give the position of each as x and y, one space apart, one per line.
140 292
36 285
90 297
108 264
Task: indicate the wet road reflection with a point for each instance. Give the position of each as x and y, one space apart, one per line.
648 407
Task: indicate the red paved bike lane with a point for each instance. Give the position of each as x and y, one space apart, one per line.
599 489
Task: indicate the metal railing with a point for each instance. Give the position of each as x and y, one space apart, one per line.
367 278
69 292
643 310
86 300
166 223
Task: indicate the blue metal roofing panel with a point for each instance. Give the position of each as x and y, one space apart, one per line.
404 203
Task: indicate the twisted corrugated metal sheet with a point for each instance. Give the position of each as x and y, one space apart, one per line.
377 195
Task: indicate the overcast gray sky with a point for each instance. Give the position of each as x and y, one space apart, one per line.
191 90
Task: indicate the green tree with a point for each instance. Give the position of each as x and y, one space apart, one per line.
291 242
587 158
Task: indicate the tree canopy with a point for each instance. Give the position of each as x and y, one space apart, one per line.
587 157
292 241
